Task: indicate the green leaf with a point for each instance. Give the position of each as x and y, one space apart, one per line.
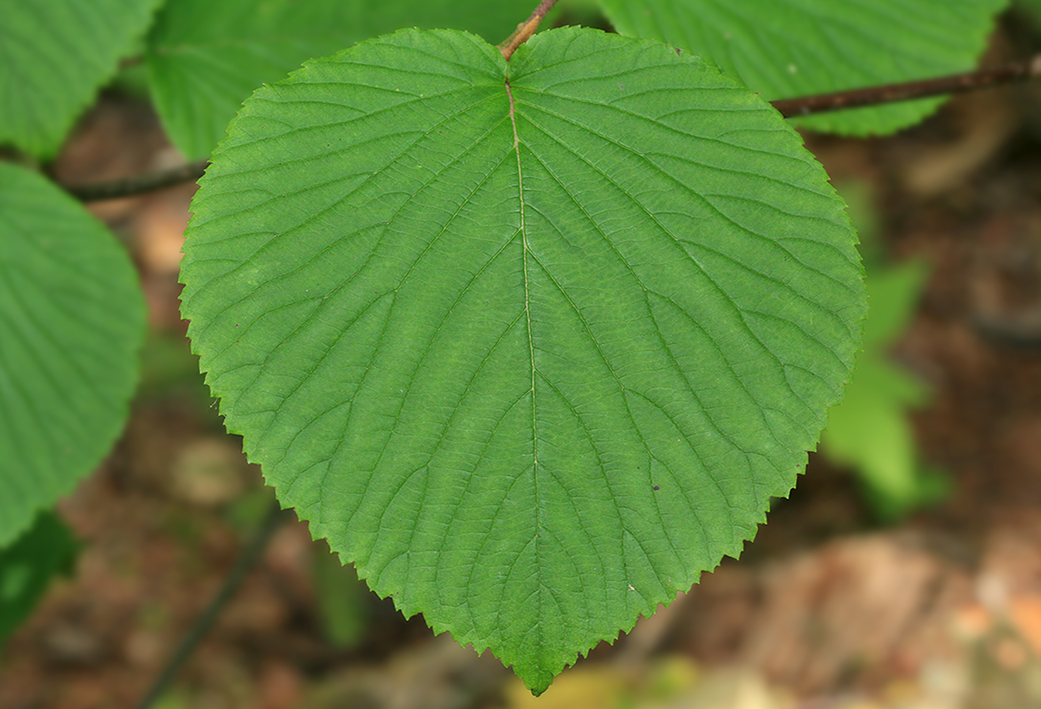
531 355
56 54
72 318
342 600
893 294
206 57
869 431
790 48
29 564
1031 7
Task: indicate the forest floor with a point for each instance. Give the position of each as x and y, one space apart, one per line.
827 609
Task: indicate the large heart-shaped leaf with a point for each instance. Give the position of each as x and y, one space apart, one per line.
205 57
55 56
789 48
71 323
532 344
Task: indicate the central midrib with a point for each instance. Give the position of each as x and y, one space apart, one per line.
531 344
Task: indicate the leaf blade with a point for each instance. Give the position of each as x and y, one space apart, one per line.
425 308
28 565
73 315
205 58
57 55
798 48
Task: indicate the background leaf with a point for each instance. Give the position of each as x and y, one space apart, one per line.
342 600
1032 7
72 318
206 57
532 364
56 54
790 48
870 430
28 565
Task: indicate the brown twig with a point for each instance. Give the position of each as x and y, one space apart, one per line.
789 108
130 186
892 93
525 29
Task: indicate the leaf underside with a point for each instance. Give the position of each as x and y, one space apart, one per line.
531 355
72 318
790 48
205 57
56 54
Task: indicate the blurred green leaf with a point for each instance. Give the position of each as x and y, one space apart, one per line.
248 512
56 55
893 295
72 318
1031 6
28 565
790 48
869 431
169 371
207 56
342 598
